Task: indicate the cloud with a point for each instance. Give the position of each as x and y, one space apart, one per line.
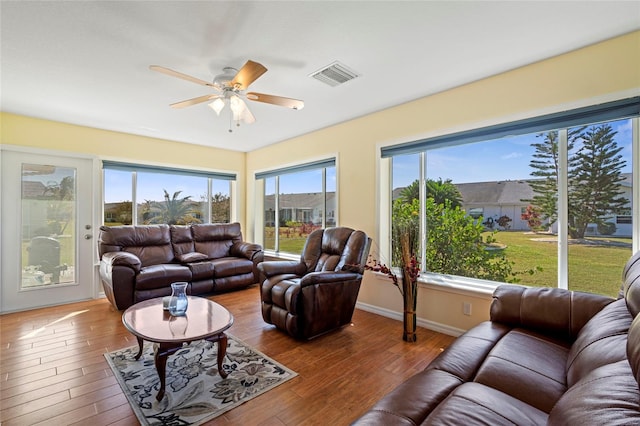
511 155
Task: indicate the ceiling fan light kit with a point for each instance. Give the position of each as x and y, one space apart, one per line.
230 87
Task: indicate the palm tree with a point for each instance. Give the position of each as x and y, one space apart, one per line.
174 210
439 190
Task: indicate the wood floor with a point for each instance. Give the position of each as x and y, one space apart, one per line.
53 372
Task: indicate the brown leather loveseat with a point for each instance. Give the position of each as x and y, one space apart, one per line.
140 262
547 356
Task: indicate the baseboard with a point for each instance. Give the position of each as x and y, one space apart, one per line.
429 325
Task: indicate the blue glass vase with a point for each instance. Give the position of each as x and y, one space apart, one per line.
178 302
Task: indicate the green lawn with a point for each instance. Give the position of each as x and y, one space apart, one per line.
290 242
592 268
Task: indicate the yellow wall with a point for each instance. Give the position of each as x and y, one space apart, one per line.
599 73
44 134
603 72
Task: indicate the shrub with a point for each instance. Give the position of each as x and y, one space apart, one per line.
606 228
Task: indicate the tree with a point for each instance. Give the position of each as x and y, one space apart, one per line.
174 210
220 208
438 190
546 164
123 212
441 192
455 243
60 211
410 192
594 180
455 246
594 172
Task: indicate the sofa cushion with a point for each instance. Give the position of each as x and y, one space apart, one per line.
475 404
601 341
543 367
607 396
157 276
412 402
228 266
465 355
201 270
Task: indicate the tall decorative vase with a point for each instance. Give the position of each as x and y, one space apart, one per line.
409 293
178 302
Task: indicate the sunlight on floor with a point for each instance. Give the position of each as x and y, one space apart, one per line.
41 329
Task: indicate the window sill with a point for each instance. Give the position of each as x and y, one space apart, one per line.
280 256
450 283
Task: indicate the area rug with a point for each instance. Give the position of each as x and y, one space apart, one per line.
194 392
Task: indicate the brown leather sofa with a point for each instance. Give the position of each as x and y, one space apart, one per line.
547 356
141 262
318 293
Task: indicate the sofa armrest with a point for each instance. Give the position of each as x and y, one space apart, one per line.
244 249
122 258
277 267
555 311
328 278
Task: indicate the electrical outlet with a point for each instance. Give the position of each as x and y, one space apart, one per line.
466 308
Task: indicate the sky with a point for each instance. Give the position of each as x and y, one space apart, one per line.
502 159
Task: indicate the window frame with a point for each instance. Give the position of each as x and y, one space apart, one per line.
260 179
617 110
135 168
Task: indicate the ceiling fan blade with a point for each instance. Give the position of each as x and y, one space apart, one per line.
276 100
247 75
173 73
193 101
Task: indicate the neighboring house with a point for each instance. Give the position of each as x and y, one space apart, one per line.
491 200
303 208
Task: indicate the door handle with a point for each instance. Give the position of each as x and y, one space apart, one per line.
87 236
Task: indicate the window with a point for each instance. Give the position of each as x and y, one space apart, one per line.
297 200
140 194
546 202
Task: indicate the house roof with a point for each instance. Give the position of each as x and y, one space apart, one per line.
507 192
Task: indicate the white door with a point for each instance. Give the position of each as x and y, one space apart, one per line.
47 236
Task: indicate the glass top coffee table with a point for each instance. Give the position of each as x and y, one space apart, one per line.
204 320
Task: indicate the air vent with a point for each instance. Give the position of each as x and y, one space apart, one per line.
334 74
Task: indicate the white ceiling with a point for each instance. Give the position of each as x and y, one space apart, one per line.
87 62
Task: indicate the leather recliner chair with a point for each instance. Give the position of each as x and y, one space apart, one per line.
318 293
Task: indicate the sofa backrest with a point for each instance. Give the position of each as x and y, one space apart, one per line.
331 249
603 340
631 284
150 243
215 239
631 287
181 240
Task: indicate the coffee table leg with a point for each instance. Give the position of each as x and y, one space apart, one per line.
162 353
140 343
222 351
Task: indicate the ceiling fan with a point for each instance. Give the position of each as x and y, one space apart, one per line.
230 87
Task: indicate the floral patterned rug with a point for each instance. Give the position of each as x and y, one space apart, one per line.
195 392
